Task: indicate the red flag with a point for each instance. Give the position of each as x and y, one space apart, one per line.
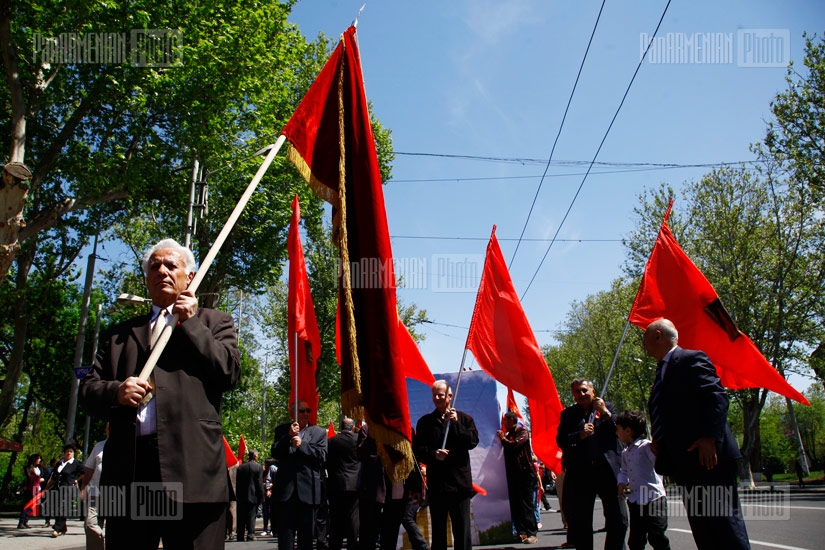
330 430
511 404
301 322
231 459
504 345
511 407
413 362
241 449
333 147
674 288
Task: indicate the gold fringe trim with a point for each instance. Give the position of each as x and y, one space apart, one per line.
348 310
394 450
351 404
324 192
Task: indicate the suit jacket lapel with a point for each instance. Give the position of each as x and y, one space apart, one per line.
141 332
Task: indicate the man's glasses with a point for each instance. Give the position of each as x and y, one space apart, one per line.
304 410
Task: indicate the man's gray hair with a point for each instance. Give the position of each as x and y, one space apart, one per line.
444 383
347 424
582 381
667 328
188 257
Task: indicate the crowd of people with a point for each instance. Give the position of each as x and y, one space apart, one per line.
164 444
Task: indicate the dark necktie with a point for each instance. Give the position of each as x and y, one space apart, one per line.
656 427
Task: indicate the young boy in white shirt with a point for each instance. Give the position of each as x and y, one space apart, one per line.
646 497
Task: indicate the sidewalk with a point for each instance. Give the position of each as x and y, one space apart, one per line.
38 537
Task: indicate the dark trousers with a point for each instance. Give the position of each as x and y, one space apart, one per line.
245 526
521 490
582 483
408 520
344 519
266 510
459 511
648 522
391 523
197 526
294 516
715 516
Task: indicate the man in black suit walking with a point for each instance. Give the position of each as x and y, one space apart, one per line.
592 458
301 451
692 440
250 487
343 466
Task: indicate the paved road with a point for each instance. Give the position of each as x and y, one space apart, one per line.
789 520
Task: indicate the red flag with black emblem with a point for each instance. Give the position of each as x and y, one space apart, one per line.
673 287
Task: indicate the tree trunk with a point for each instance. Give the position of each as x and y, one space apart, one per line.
13 190
21 327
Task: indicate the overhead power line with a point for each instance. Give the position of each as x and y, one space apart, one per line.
553 149
598 150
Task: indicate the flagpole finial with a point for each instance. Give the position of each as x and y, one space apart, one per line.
355 22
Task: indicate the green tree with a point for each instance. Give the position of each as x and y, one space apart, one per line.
587 345
114 142
796 136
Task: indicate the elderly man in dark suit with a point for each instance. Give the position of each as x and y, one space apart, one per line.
449 475
592 458
692 440
250 487
174 439
343 466
301 451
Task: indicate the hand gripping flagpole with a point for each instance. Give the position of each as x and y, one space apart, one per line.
172 320
455 396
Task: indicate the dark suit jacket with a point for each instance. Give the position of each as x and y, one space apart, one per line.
299 469
200 362
342 462
250 483
453 475
693 405
580 452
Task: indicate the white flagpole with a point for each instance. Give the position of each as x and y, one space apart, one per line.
172 320
295 362
455 395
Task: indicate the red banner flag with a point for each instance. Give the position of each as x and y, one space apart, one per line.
301 321
231 459
415 366
673 287
241 449
504 345
333 147
512 406
330 430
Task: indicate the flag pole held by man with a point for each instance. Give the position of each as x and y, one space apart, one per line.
333 147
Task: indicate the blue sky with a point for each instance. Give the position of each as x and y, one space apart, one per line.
492 79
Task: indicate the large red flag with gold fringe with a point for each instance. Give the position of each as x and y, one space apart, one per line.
673 287
301 322
333 146
504 345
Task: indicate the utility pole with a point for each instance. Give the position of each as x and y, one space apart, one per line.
803 459
94 354
81 340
